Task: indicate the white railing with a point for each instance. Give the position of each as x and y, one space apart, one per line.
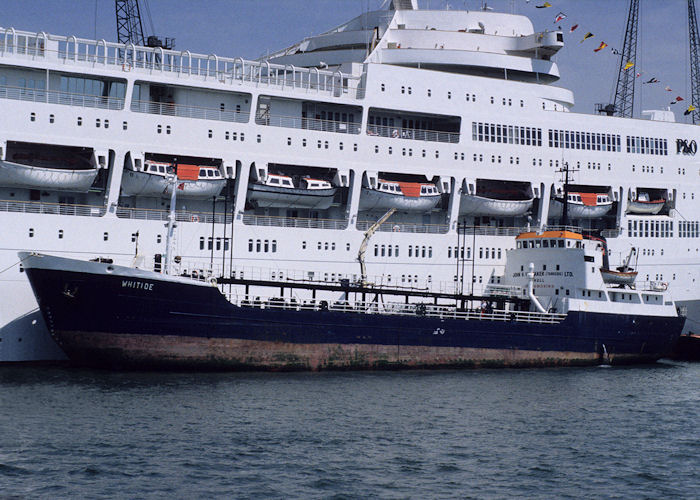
58 97
169 109
40 207
403 227
428 310
299 122
71 50
412 133
308 223
180 215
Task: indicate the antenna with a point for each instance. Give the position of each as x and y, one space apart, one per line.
694 59
624 93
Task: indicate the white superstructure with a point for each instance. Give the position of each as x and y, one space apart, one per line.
455 103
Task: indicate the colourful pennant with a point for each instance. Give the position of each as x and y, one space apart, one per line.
628 65
543 6
587 36
600 47
560 17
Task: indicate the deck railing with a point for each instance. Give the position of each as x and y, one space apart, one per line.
339 127
71 50
58 97
308 223
41 207
412 133
180 215
397 309
169 109
404 227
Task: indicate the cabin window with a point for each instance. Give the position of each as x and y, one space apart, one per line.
260 139
105 236
31 232
210 133
266 246
60 234
167 128
51 118
201 244
32 117
97 123
80 121
376 250
289 141
274 246
383 87
303 245
258 245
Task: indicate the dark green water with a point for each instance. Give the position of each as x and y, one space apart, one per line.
559 433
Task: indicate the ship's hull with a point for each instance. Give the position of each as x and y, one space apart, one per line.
145 184
480 205
275 197
371 199
112 320
58 179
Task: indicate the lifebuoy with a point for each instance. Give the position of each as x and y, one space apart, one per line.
126 67
194 218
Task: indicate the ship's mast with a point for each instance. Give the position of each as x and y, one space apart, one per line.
694 60
624 92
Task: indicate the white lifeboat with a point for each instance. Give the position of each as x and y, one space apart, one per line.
37 171
203 181
582 205
643 205
404 196
279 191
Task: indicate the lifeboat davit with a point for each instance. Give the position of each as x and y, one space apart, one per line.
202 181
279 191
645 206
43 171
403 196
582 205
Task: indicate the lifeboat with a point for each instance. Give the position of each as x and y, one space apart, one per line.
644 205
279 191
403 196
39 171
625 278
497 199
582 205
204 181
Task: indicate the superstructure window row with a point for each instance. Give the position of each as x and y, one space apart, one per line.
591 141
688 229
650 228
506 134
647 145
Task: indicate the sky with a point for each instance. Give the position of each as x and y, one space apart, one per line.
251 28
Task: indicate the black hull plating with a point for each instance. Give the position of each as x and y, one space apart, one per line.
86 312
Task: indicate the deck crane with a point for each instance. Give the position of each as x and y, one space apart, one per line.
363 247
130 27
694 60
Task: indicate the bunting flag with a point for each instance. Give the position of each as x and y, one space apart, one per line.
653 80
181 186
615 51
640 74
600 47
679 99
690 109
673 102
543 6
668 89
587 36
628 65
573 28
560 17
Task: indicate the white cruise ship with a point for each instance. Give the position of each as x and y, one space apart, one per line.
452 120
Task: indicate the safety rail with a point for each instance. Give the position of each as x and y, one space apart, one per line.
428 310
42 207
181 110
71 50
413 133
308 223
180 215
490 230
403 227
59 97
339 127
